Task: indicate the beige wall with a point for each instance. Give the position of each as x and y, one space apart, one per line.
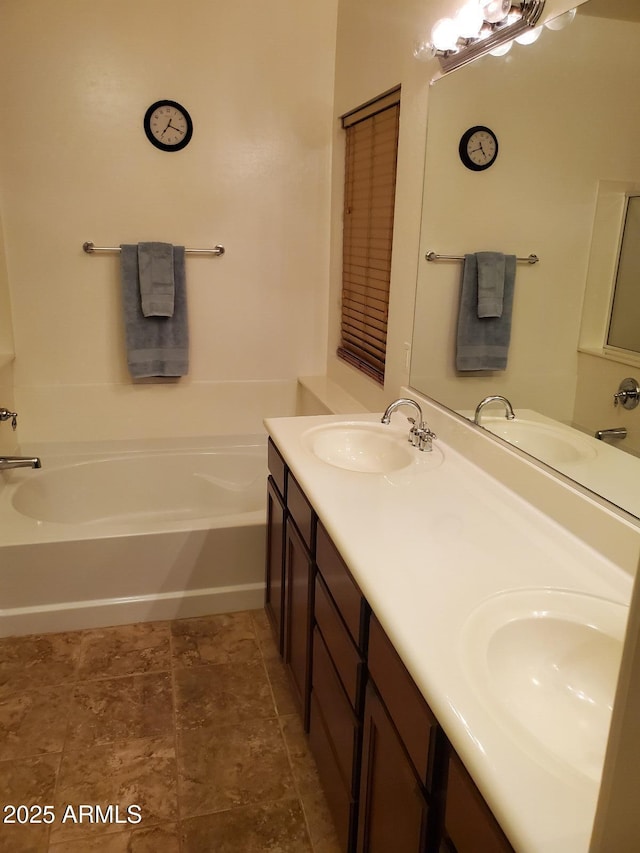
76 79
7 437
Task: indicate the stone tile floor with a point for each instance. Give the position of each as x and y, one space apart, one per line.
192 721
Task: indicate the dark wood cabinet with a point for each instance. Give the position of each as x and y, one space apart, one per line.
393 782
274 593
298 574
469 825
290 571
393 809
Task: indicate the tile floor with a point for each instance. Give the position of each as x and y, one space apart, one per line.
190 720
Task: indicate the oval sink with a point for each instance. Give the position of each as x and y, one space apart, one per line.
546 663
370 448
551 444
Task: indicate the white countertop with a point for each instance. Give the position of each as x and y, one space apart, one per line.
426 546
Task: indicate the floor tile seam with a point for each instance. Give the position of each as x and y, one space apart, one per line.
72 683
209 664
243 806
103 678
176 746
266 670
296 782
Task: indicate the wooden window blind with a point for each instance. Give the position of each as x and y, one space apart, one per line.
369 199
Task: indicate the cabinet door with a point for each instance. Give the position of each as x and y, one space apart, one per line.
299 607
274 594
393 811
469 825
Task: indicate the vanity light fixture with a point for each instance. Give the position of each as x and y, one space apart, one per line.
481 27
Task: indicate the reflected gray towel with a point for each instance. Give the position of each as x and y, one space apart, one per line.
483 342
156 346
491 272
155 272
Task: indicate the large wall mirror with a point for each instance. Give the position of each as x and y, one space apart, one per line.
567 124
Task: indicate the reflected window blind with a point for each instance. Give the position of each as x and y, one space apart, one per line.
369 198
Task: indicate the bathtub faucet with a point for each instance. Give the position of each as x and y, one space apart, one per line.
19 462
5 414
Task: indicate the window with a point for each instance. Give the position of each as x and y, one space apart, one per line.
369 198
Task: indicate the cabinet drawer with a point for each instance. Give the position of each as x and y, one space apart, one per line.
341 803
276 466
339 644
412 718
300 510
349 601
469 823
340 723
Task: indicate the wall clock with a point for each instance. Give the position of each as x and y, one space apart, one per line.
168 126
478 148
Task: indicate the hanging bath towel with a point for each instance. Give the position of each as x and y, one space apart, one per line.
156 345
484 318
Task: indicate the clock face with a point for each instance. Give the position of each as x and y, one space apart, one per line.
168 126
478 148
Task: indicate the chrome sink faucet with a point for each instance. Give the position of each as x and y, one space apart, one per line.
495 398
420 435
19 462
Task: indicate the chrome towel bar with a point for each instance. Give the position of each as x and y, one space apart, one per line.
432 256
89 248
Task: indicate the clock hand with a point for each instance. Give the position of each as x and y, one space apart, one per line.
174 127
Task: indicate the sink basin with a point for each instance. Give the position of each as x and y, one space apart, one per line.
545 662
371 448
551 444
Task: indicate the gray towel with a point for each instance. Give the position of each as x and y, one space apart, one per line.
155 271
483 342
490 283
156 346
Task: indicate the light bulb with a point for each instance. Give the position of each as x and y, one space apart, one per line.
495 11
529 36
423 51
469 20
502 49
561 21
444 34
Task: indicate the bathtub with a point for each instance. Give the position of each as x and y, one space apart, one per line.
112 533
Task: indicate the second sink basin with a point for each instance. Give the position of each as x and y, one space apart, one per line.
546 663
371 448
553 445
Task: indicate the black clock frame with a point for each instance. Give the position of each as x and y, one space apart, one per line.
162 145
462 148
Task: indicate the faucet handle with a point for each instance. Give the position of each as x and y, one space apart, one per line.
5 414
420 435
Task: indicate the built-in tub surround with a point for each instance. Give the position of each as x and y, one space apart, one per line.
428 549
114 533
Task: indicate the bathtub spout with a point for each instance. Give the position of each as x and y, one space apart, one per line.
19 462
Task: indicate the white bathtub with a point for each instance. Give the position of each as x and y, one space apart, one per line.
115 533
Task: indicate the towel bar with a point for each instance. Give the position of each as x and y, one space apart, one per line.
89 248
432 256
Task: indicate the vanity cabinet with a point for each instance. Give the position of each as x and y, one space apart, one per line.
274 569
402 741
469 826
392 780
290 564
341 617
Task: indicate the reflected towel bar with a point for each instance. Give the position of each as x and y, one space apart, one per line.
432 256
89 248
